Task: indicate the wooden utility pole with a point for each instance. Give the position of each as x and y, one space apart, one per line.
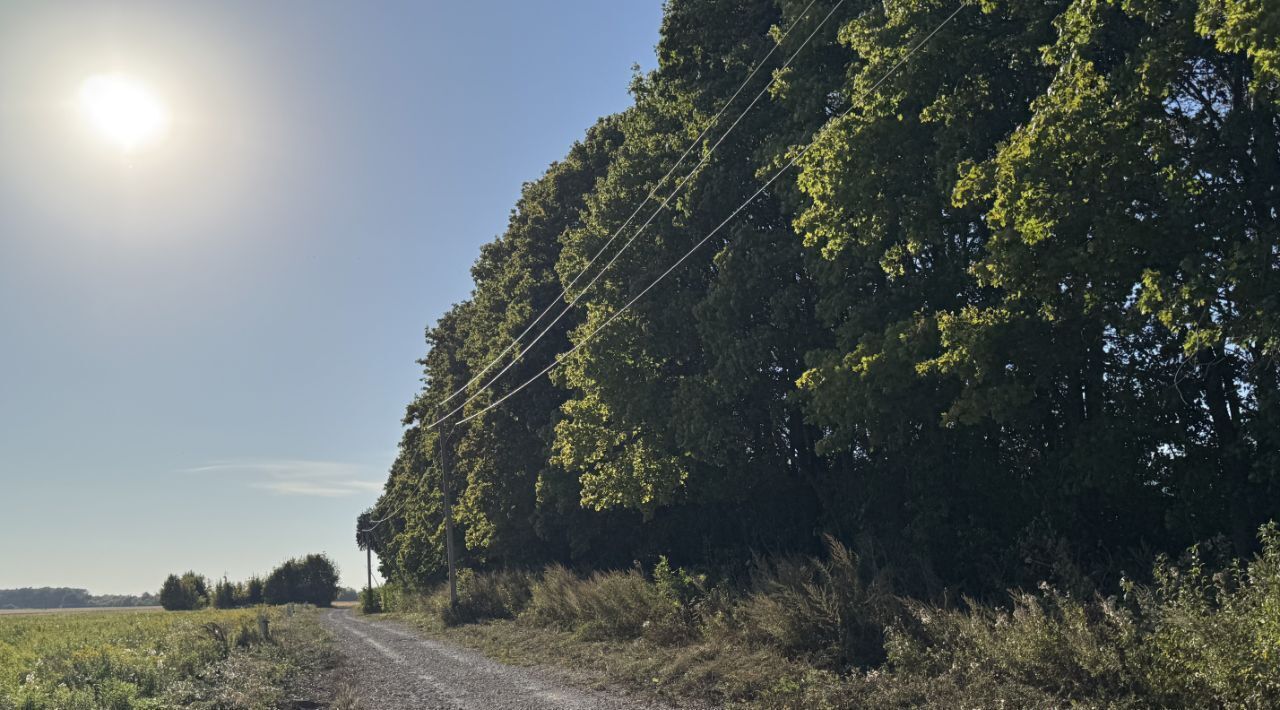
448 522
368 566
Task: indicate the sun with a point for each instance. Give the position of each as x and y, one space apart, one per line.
123 110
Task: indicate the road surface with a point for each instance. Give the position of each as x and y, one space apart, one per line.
392 667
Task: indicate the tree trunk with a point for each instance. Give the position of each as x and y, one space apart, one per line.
1233 466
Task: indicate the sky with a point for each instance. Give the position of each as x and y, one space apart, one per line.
207 343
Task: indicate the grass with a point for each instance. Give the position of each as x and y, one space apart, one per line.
830 633
156 659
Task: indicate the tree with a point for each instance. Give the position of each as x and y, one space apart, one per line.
224 595
252 592
680 410
190 591
312 579
171 594
319 580
1013 315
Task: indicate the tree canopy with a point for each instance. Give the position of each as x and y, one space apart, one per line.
1015 314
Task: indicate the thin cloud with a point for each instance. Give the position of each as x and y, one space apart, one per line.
298 477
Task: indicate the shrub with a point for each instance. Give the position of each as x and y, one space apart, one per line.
683 594
371 601
399 597
487 595
1215 638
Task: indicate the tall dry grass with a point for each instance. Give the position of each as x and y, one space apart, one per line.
831 632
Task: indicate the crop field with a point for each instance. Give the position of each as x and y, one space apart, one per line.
155 659
81 610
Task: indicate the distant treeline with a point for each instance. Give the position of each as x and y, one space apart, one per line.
312 579
68 598
1013 316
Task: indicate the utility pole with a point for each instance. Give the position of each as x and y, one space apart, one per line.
448 522
364 539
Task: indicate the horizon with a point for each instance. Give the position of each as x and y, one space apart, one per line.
213 325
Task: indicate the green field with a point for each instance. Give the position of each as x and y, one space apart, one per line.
156 659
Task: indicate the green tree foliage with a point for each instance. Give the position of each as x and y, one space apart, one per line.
67 598
251 592
1014 316
224 595
305 580
190 591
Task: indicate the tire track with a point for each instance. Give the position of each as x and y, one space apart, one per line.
393 668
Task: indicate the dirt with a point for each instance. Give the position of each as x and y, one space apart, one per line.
389 666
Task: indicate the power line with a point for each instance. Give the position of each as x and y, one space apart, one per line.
773 178
374 524
639 207
790 163
569 306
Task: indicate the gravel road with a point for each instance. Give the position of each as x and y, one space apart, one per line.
391 667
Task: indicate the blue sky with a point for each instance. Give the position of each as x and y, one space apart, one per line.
206 346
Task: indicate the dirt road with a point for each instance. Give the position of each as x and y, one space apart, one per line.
391 667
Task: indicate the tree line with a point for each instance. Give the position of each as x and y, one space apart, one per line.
1014 315
68 598
312 579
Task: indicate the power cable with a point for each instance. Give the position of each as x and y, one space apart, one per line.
560 358
639 207
374 524
789 164
569 306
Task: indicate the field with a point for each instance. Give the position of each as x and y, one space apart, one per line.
80 610
157 659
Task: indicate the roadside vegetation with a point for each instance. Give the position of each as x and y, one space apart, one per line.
205 659
1010 323
830 633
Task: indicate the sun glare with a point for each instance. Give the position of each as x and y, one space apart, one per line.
123 110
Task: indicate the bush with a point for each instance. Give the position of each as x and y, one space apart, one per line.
1214 639
371 601
490 595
